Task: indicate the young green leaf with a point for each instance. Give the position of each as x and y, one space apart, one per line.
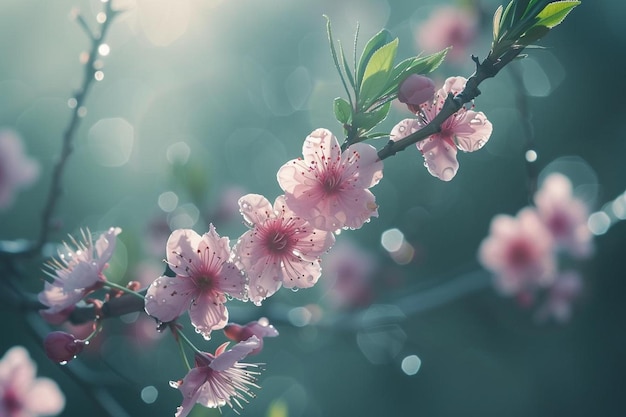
378 41
367 121
554 13
346 68
376 74
497 16
342 110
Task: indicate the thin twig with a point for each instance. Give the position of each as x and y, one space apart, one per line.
68 137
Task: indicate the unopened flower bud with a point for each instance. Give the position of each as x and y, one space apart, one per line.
62 347
415 90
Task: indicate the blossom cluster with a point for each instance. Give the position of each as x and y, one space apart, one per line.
523 251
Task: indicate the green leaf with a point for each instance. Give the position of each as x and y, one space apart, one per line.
497 16
343 111
507 18
333 52
415 65
519 9
378 41
533 34
346 68
367 121
377 74
554 13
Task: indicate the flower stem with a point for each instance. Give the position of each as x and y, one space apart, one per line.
187 341
123 289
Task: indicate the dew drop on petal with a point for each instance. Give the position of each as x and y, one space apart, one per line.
447 174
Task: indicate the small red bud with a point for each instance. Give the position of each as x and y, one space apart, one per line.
62 347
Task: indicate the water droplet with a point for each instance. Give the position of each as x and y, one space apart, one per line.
63 363
295 289
86 342
447 174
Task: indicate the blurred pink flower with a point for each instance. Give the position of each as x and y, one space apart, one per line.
564 215
203 276
21 393
348 270
261 328
566 290
416 90
330 188
280 249
448 26
520 252
466 130
220 379
16 169
77 272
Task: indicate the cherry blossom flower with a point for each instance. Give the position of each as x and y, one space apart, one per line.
220 379
330 188
21 393
564 215
348 271
261 328
77 272
466 130
16 169
520 252
448 26
280 249
204 275
566 289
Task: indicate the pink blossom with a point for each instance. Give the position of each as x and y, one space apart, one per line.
564 215
261 328
16 169
330 188
348 270
204 275
520 252
416 90
466 130
448 26
220 379
280 249
21 393
77 272
566 289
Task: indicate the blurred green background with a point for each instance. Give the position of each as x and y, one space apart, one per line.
205 99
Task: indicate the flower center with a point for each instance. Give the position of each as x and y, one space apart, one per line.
205 282
331 182
519 254
11 402
278 241
558 224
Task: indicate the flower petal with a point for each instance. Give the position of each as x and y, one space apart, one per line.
182 247
208 313
404 129
255 208
44 398
227 359
439 157
472 131
167 298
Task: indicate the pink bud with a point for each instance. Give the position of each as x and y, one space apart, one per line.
415 90
62 347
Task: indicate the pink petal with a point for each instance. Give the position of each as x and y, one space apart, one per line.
300 272
369 168
105 246
322 148
44 398
439 157
227 359
167 298
219 246
472 131
255 208
83 275
453 85
208 313
182 247
263 271
190 388
232 281
404 129
57 298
